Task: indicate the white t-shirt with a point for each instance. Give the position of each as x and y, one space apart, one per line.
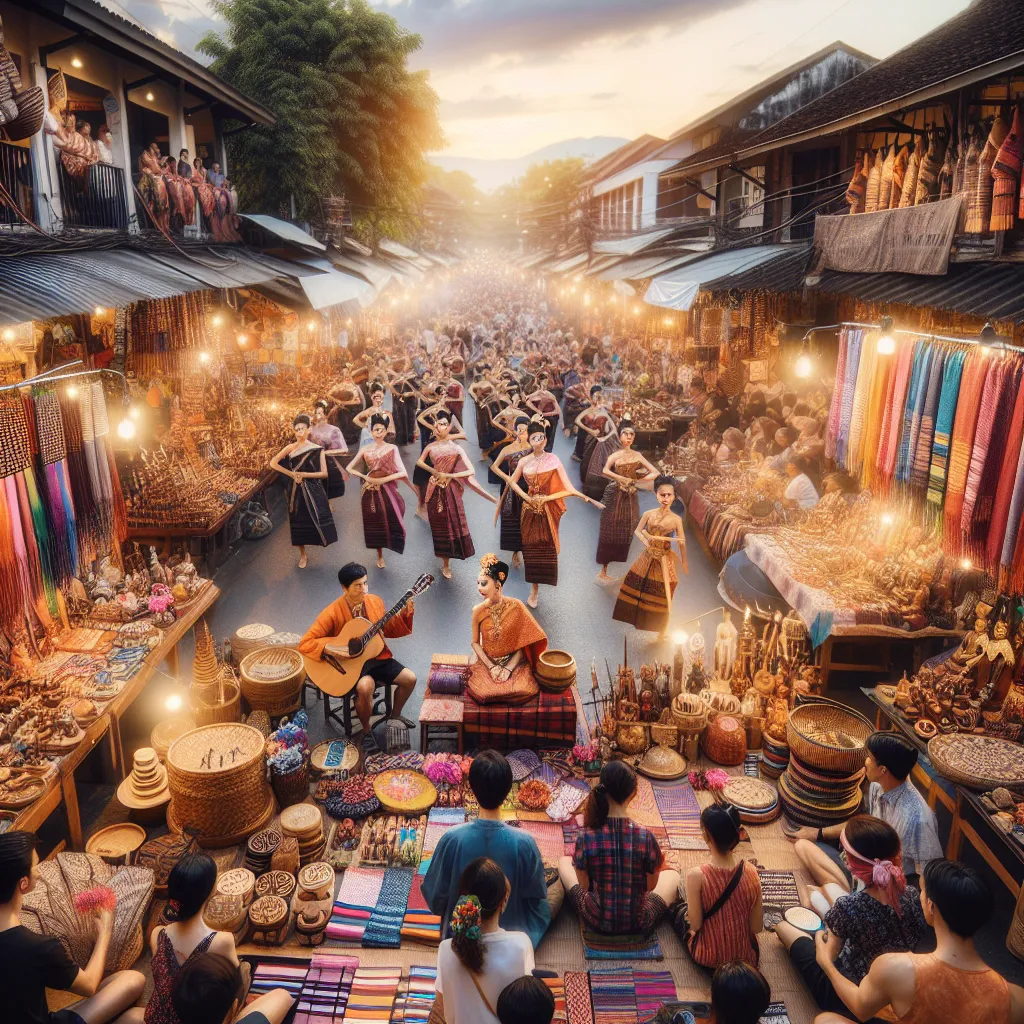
507 956
802 491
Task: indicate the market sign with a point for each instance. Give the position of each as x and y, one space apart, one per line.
911 240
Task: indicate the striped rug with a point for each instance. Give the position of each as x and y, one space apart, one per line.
677 804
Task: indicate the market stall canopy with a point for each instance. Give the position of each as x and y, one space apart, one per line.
284 230
639 267
679 288
632 245
331 287
569 263
231 268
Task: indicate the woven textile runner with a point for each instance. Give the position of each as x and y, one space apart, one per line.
775 1014
893 410
373 994
613 992
972 387
1007 485
680 811
419 924
922 453
986 437
871 431
414 1005
949 397
557 987
579 1007
865 381
620 947
779 892
549 838
383 931
570 830
652 989
353 905
643 808
268 976
914 410
325 991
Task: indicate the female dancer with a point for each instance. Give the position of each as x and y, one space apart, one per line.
375 408
510 505
433 404
403 401
381 504
347 399
627 470
591 423
543 403
603 440
447 465
645 597
543 507
331 439
309 512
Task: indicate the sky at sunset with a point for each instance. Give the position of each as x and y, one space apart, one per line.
516 75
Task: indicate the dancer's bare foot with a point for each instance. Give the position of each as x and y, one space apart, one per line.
603 578
303 560
516 560
446 572
532 600
421 513
380 563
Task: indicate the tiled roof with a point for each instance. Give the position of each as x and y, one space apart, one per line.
984 33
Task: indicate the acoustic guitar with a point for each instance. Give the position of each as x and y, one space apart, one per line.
337 674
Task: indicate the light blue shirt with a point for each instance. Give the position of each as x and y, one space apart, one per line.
909 814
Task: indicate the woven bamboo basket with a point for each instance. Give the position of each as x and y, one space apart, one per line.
228 708
167 731
725 740
689 712
250 638
829 736
556 671
272 679
218 784
994 762
291 787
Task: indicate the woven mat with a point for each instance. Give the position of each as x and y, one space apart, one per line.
550 840
578 1006
652 989
620 947
680 811
779 892
613 994
643 808
384 929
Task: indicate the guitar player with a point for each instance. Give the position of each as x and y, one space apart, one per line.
356 601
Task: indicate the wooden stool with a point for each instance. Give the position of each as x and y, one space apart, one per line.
342 714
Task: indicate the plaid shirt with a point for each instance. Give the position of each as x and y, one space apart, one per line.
617 858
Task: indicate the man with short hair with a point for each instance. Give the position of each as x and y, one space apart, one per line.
357 602
215 177
31 963
953 985
184 167
892 797
207 989
514 850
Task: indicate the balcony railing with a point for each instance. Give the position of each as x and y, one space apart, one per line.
98 199
16 178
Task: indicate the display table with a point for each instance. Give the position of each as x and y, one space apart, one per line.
61 787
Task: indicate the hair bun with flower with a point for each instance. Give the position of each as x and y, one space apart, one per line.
491 565
465 923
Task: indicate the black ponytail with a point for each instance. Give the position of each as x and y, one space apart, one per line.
189 886
721 822
618 782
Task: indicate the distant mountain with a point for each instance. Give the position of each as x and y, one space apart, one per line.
491 174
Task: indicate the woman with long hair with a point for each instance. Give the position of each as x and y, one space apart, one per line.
883 915
309 510
615 877
375 408
480 959
723 896
739 994
510 504
189 885
331 439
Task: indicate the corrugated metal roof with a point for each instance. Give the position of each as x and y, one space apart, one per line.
632 245
783 273
988 289
284 230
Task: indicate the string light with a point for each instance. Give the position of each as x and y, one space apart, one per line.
173 702
72 391
886 343
679 638
217 320
887 519
803 366
126 429
965 563
204 357
98 311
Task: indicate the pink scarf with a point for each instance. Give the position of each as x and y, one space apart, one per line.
887 875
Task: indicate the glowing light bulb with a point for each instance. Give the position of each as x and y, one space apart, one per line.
217 320
803 366
242 340
173 702
8 335
204 357
965 563
887 519
273 406
135 412
311 326
636 311
98 311
72 391
76 62
126 429
886 345
679 638
668 321
150 97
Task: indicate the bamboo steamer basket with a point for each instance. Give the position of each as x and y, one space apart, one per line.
556 671
805 733
218 783
167 731
271 679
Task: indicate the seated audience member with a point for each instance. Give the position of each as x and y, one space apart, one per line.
527 1000
884 917
480 959
209 990
731 448
799 492
953 985
892 797
615 878
31 963
723 896
189 886
515 851
782 447
739 994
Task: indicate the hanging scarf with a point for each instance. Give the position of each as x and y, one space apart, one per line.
874 183
926 433
899 171
858 185
892 417
944 419
886 875
908 194
87 517
928 174
970 185
856 340
885 184
837 396
1005 173
914 410
1006 489
871 433
865 383
948 173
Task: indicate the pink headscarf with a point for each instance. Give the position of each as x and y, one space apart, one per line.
885 874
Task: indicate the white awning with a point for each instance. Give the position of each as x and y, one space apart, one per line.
331 288
678 288
632 245
284 230
569 263
397 249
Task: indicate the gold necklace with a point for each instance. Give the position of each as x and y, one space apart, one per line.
497 615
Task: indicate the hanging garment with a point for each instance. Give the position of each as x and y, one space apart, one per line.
913 410
922 446
948 173
836 407
899 170
944 419
874 183
885 183
908 194
931 164
892 416
1007 485
1006 175
858 185
972 388
871 433
970 185
854 347
865 382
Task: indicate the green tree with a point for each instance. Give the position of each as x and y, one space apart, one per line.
549 195
352 119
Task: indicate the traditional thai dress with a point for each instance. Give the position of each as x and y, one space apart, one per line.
330 439
455 399
342 415
645 597
383 509
583 440
206 196
595 481
404 406
549 410
620 516
540 531
506 628
511 506
445 509
366 437
309 514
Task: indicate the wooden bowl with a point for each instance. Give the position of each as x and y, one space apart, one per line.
556 670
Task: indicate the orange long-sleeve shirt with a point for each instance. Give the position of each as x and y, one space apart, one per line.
333 619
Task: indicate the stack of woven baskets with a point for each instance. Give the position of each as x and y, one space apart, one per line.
218 784
250 638
216 696
821 785
272 680
690 715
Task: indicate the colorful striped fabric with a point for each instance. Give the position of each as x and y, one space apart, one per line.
579 1007
613 993
944 418
419 924
373 994
1007 485
853 357
620 947
653 988
903 373
968 406
680 811
360 888
383 930
871 429
862 391
414 1005
914 411
836 408
557 987
326 989
923 442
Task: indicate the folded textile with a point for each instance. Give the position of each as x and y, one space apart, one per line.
383 930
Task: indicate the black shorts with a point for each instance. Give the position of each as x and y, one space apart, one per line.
802 953
383 670
65 1016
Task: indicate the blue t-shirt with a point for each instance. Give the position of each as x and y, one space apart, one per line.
516 854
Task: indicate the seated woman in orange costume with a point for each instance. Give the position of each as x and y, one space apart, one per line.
507 641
